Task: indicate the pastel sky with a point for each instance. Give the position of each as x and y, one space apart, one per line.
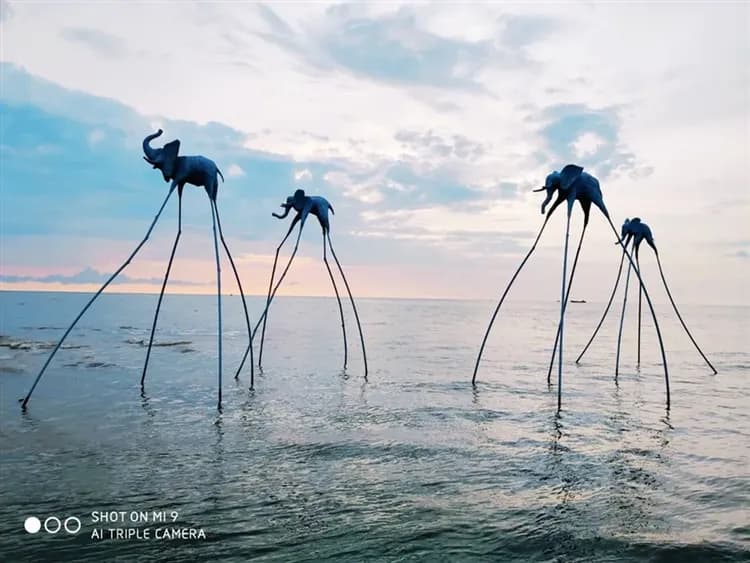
426 125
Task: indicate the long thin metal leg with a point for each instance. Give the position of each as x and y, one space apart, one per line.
218 292
338 299
112 277
249 348
563 302
622 319
650 306
606 309
163 287
270 288
502 298
272 294
669 294
567 297
351 298
640 300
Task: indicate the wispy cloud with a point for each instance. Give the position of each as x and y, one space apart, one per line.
6 12
591 137
103 43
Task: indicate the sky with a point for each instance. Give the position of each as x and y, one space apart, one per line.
426 125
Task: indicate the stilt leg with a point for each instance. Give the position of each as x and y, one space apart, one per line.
674 305
563 301
622 318
218 292
606 309
650 306
271 295
163 287
249 348
502 298
338 299
640 299
567 297
270 289
25 401
354 307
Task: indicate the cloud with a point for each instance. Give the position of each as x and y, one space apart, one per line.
429 143
6 12
590 137
235 171
393 47
89 276
103 43
95 136
587 144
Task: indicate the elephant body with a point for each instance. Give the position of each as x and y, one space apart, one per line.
572 184
304 205
181 170
638 231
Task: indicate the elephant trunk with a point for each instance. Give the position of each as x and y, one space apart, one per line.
286 207
151 154
550 193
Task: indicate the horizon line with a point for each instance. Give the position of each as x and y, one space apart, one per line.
378 298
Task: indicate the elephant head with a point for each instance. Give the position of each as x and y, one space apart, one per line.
640 231
560 181
629 228
296 201
164 158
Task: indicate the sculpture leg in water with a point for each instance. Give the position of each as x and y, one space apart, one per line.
338 299
249 348
606 309
674 305
25 400
640 300
563 301
567 298
622 318
271 294
351 298
218 292
502 298
163 287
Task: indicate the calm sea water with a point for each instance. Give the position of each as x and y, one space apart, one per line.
412 465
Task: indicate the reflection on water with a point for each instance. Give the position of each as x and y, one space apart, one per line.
315 463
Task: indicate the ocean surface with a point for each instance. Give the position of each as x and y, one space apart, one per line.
414 464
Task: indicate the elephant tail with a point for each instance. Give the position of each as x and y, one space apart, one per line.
331 208
220 174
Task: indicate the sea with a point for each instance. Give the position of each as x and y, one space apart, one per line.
413 463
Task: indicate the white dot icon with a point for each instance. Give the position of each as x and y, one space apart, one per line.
32 524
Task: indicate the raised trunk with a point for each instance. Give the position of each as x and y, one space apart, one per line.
151 153
286 207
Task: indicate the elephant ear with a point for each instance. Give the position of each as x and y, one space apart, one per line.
299 197
569 175
169 157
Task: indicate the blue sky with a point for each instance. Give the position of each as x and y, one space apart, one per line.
425 125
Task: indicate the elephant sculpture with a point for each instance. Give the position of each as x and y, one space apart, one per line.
569 185
636 231
179 170
318 206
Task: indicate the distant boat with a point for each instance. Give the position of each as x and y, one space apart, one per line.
578 301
